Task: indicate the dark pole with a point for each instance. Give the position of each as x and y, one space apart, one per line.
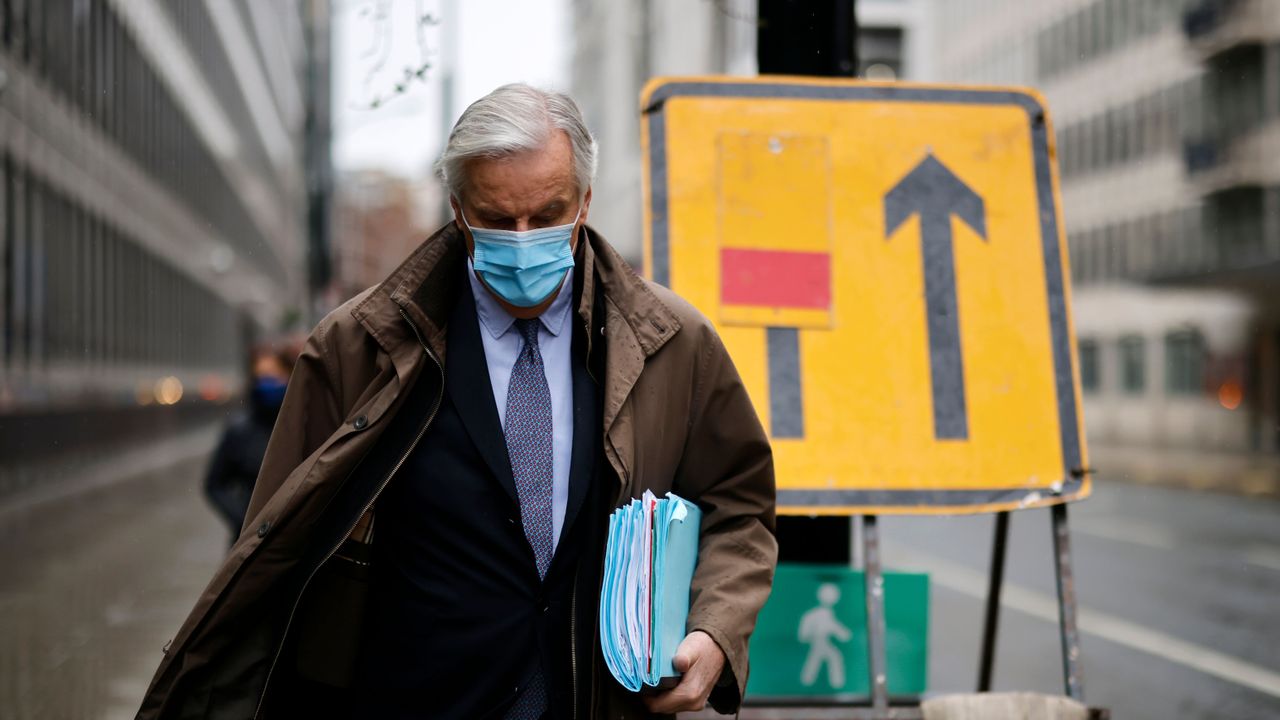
318 137
991 623
809 37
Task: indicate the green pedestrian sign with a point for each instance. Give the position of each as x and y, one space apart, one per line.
811 638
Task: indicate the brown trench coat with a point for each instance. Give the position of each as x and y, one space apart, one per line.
676 417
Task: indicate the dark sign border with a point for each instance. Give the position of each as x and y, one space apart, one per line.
660 264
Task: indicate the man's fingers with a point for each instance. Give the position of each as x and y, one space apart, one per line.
681 661
687 695
699 669
688 650
690 694
678 699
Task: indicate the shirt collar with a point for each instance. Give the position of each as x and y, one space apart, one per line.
498 321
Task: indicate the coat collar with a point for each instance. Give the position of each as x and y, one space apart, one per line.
426 285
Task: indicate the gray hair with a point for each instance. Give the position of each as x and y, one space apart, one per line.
512 119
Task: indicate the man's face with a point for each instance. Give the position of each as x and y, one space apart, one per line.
525 191
269 366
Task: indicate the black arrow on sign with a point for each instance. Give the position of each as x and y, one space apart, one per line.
935 193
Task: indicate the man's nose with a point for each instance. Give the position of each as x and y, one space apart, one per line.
522 224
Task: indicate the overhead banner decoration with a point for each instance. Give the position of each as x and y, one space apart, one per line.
886 265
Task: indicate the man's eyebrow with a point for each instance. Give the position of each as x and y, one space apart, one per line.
490 212
552 206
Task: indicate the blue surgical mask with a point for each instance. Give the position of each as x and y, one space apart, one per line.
523 267
268 392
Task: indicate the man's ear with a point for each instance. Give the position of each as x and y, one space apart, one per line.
582 218
586 205
457 212
461 223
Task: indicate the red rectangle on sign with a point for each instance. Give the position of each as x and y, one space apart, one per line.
775 278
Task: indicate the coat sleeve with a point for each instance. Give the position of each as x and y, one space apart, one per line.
727 468
311 412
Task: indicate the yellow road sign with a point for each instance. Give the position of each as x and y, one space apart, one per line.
886 265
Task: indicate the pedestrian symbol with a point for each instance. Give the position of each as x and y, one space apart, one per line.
811 638
818 628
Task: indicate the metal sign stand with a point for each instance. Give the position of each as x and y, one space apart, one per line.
1067 605
1069 633
873 579
991 622
879 707
1072 673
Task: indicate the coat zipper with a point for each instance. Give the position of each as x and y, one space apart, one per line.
421 431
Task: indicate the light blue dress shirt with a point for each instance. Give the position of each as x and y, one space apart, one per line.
502 345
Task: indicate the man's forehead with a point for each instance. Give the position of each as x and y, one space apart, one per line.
539 175
515 204
517 193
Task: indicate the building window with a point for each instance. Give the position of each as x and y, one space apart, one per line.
1099 27
1184 362
1110 254
1090 381
1133 376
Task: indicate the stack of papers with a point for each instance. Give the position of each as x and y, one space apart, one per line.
644 601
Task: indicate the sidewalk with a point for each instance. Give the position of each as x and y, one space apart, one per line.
1250 474
98 576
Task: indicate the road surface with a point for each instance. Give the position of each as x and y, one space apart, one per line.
1179 593
1179 596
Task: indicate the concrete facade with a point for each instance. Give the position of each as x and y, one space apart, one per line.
154 166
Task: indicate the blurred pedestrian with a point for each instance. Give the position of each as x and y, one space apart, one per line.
238 457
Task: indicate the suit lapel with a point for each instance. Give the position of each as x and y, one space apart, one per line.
470 390
586 429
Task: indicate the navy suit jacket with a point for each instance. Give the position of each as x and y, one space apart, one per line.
458 615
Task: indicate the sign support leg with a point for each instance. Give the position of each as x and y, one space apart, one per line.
1074 678
874 582
992 621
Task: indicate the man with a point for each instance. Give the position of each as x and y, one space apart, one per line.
426 534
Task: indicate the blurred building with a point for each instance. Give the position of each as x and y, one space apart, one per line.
1167 114
380 219
153 200
618 47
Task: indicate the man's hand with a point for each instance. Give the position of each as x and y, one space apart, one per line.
700 660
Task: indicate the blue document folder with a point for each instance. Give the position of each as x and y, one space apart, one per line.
650 556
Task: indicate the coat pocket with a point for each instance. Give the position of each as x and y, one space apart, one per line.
330 620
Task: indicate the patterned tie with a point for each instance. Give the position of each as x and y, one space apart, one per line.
528 433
